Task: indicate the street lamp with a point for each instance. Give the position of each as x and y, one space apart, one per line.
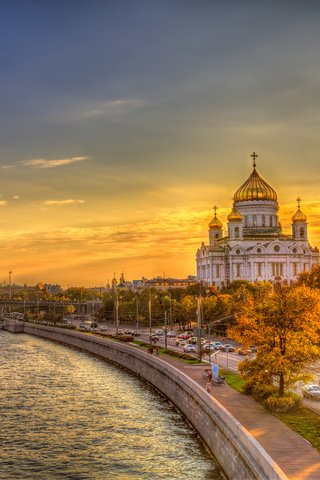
209 327
150 318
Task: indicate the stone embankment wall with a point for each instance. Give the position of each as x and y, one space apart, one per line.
239 454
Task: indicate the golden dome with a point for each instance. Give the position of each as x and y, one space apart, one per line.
234 215
299 216
255 188
215 222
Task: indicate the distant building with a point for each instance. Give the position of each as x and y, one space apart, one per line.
52 288
255 249
166 283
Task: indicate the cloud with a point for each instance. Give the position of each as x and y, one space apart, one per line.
44 163
69 201
7 167
114 106
16 197
3 203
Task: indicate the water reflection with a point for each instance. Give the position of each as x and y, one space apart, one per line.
65 414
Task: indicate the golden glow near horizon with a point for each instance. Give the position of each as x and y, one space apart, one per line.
119 130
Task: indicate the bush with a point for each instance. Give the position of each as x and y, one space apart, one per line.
263 392
125 338
284 404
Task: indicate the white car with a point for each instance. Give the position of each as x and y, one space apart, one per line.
103 328
171 334
311 391
189 348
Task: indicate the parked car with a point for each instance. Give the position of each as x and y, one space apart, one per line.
218 345
193 340
136 333
243 351
183 336
208 347
311 391
159 332
189 348
128 331
154 337
171 334
182 343
103 328
228 348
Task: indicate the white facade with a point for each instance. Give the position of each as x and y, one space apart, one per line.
255 248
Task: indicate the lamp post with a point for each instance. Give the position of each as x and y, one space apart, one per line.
150 318
117 312
137 310
209 327
199 304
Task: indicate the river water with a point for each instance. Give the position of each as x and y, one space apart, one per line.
67 414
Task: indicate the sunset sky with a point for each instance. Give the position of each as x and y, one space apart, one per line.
123 122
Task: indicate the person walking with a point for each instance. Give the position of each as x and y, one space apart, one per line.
208 387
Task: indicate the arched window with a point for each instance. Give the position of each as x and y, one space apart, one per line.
246 221
236 232
271 222
254 221
216 236
263 221
301 232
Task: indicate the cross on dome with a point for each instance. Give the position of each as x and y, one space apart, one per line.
215 208
298 200
254 156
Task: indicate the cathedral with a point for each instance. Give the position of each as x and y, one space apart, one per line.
255 249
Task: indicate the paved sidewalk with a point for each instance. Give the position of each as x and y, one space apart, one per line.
294 455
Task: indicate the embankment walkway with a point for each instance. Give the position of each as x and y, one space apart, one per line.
294 455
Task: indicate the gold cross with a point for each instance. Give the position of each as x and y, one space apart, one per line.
298 200
215 208
254 156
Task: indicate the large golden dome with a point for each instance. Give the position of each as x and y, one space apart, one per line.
255 188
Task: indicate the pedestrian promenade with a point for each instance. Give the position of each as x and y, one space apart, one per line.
294 455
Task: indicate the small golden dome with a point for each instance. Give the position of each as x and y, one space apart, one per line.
234 215
255 188
215 223
299 216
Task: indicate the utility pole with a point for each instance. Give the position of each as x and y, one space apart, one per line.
137 310
150 318
165 331
117 312
199 303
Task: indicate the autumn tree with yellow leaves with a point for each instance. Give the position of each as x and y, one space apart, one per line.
285 326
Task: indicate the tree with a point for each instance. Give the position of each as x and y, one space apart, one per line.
285 327
311 279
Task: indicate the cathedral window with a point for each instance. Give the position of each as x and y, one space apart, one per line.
263 221
238 269
301 232
259 265
217 271
258 250
276 248
254 221
271 223
238 252
295 268
236 232
294 250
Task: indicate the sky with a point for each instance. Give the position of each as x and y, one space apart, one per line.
122 123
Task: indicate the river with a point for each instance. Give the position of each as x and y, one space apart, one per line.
67 414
